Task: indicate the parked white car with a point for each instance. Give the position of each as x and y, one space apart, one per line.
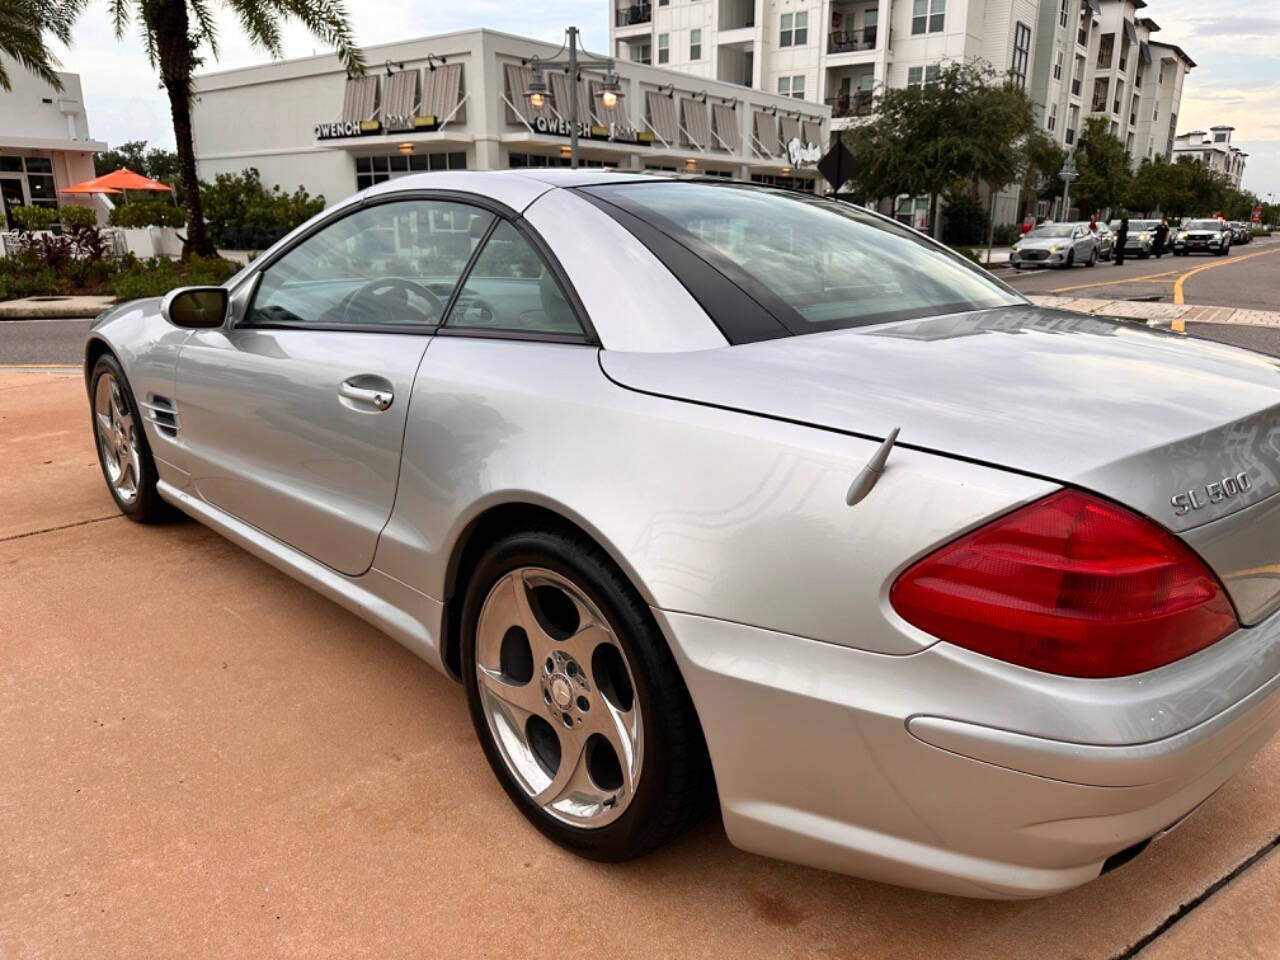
1055 245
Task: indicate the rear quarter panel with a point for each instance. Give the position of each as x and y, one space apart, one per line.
710 512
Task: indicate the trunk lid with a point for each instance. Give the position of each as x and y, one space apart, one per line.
1137 415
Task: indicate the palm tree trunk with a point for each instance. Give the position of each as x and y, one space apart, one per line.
173 49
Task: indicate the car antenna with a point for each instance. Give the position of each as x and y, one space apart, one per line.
868 475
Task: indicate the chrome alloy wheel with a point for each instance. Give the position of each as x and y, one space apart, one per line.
117 438
559 697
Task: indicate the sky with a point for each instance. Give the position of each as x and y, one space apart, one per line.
1235 44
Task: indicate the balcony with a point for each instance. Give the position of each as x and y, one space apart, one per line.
633 14
851 41
860 103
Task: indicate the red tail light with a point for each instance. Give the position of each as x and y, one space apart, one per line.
1071 585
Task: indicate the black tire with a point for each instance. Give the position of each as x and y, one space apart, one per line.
1144 254
675 786
146 506
1071 259
1093 258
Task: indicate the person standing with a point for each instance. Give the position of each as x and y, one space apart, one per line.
1122 237
1162 237
1093 224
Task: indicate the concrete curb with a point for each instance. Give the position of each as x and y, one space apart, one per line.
39 308
1168 316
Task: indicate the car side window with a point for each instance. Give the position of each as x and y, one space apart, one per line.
390 264
511 288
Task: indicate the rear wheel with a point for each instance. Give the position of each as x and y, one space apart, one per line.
123 451
578 703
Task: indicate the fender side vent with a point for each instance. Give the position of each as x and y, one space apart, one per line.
161 412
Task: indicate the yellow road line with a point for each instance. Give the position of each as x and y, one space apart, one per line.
1108 283
1177 287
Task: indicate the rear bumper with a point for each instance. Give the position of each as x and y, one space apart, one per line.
953 772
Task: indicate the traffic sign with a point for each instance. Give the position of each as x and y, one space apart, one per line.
837 165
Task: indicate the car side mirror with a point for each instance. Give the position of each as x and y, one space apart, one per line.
195 307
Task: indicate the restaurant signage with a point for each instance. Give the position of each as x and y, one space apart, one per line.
801 153
559 127
347 128
396 122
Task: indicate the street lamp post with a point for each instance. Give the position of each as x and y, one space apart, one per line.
538 93
1068 173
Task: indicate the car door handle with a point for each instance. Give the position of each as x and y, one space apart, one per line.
378 399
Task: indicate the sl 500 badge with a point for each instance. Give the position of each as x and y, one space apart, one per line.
1215 492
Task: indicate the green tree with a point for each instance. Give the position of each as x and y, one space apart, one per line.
156 163
961 128
1151 187
1044 160
177 31
23 28
1104 168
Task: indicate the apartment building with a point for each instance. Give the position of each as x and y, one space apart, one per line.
1215 150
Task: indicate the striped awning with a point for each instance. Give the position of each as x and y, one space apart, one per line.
1144 52
360 100
442 92
661 111
1131 31
812 131
728 135
693 118
790 129
400 94
518 79
607 115
766 128
559 83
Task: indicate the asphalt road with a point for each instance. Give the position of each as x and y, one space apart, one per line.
1248 277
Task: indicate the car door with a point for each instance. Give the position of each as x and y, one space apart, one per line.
1082 242
294 412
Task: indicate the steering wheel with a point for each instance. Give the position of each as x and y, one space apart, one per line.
376 296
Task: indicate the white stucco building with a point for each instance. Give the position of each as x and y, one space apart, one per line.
1075 58
44 140
456 101
1215 150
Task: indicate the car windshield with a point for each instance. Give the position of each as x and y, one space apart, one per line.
1204 225
823 264
1142 225
1054 230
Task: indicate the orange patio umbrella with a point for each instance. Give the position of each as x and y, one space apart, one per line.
117 182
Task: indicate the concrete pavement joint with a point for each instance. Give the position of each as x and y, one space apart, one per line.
63 526
1186 908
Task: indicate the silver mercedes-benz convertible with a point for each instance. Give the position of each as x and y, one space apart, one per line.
716 494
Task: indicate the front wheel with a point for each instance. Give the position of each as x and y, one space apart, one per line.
576 699
123 451
1093 258
1071 259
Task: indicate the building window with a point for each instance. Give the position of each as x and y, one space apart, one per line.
1053 116
1057 65
1217 138
927 16
371 170
1062 13
1078 77
1100 88
929 74
664 3
795 29
664 47
791 86
520 160
1128 144
1021 53
40 185
1115 104
1106 47
640 53
695 44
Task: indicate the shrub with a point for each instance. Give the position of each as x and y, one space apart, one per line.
77 217
1006 235
158 275
244 215
34 218
968 253
966 220
1261 231
148 213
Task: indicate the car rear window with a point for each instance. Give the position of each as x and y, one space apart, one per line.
813 264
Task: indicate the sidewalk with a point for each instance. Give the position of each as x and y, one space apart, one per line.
36 308
1166 315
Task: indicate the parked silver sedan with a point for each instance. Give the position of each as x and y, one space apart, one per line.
712 493
1055 245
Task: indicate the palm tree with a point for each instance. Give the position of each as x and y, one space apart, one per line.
174 32
23 24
